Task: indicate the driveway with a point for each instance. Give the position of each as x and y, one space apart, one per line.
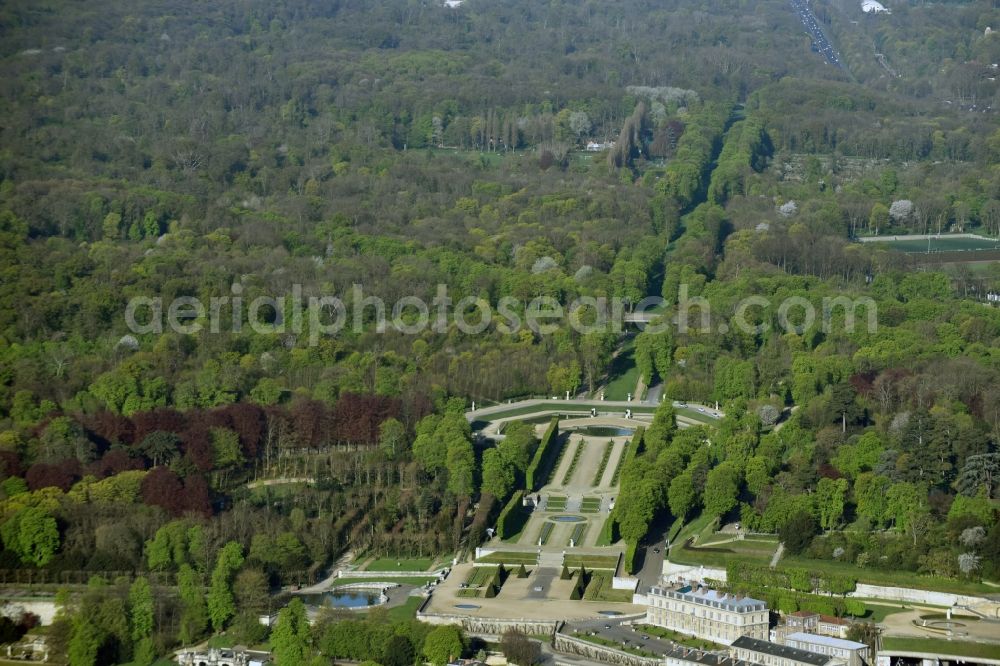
541 583
652 566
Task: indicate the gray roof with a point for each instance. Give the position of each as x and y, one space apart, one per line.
776 650
708 597
829 641
696 656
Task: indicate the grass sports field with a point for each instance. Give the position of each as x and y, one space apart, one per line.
940 244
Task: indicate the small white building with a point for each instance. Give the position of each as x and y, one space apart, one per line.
235 656
851 652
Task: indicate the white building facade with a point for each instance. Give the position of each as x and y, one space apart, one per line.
707 614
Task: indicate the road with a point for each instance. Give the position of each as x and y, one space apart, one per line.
777 555
652 565
501 410
821 44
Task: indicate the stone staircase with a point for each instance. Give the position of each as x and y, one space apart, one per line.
988 610
550 560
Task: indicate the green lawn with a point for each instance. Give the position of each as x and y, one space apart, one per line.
590 505
878 612
890 578
700 526
977 268
942 244
695 415
941 646
399 564
555 503
507 558
624 374
480 576
719 557
713 549
601 588
407 611
724 540
221 642
759 552
609 562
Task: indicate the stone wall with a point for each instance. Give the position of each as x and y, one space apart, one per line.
389 575
675 573
570 645
909 595
624 583
491 626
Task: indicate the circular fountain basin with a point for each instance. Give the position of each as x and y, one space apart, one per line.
943 624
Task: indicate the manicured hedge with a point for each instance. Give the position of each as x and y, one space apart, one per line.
788 601
782 590
631 450
513 516
628 459
630 556
608 533
545 455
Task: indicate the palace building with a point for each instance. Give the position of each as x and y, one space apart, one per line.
706 613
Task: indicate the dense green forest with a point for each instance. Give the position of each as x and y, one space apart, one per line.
186 149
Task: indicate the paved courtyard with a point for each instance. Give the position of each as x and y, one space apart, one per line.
518 599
